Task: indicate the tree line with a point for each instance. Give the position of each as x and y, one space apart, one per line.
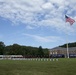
26 51
69 44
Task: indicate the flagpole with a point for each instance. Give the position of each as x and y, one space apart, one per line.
71 21
67 48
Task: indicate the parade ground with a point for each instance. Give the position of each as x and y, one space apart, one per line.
61 66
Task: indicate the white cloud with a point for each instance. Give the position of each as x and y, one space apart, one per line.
44 39
47 6
58 2
38 12
29 27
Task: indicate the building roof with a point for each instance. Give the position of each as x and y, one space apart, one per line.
61 48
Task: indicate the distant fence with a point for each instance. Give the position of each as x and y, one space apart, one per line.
22 56
51 56
35 56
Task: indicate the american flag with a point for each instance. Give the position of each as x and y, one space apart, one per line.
70 20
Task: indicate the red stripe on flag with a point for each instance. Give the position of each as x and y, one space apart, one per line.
70 20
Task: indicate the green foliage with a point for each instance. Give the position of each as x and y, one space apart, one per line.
69 44
46 53
40 52
26 51
2 46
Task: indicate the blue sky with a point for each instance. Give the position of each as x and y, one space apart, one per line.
37 22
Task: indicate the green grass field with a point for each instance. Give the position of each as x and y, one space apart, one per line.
23 67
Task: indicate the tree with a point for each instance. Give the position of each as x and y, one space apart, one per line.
40 52
15 49
26 51
2 47
46 53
